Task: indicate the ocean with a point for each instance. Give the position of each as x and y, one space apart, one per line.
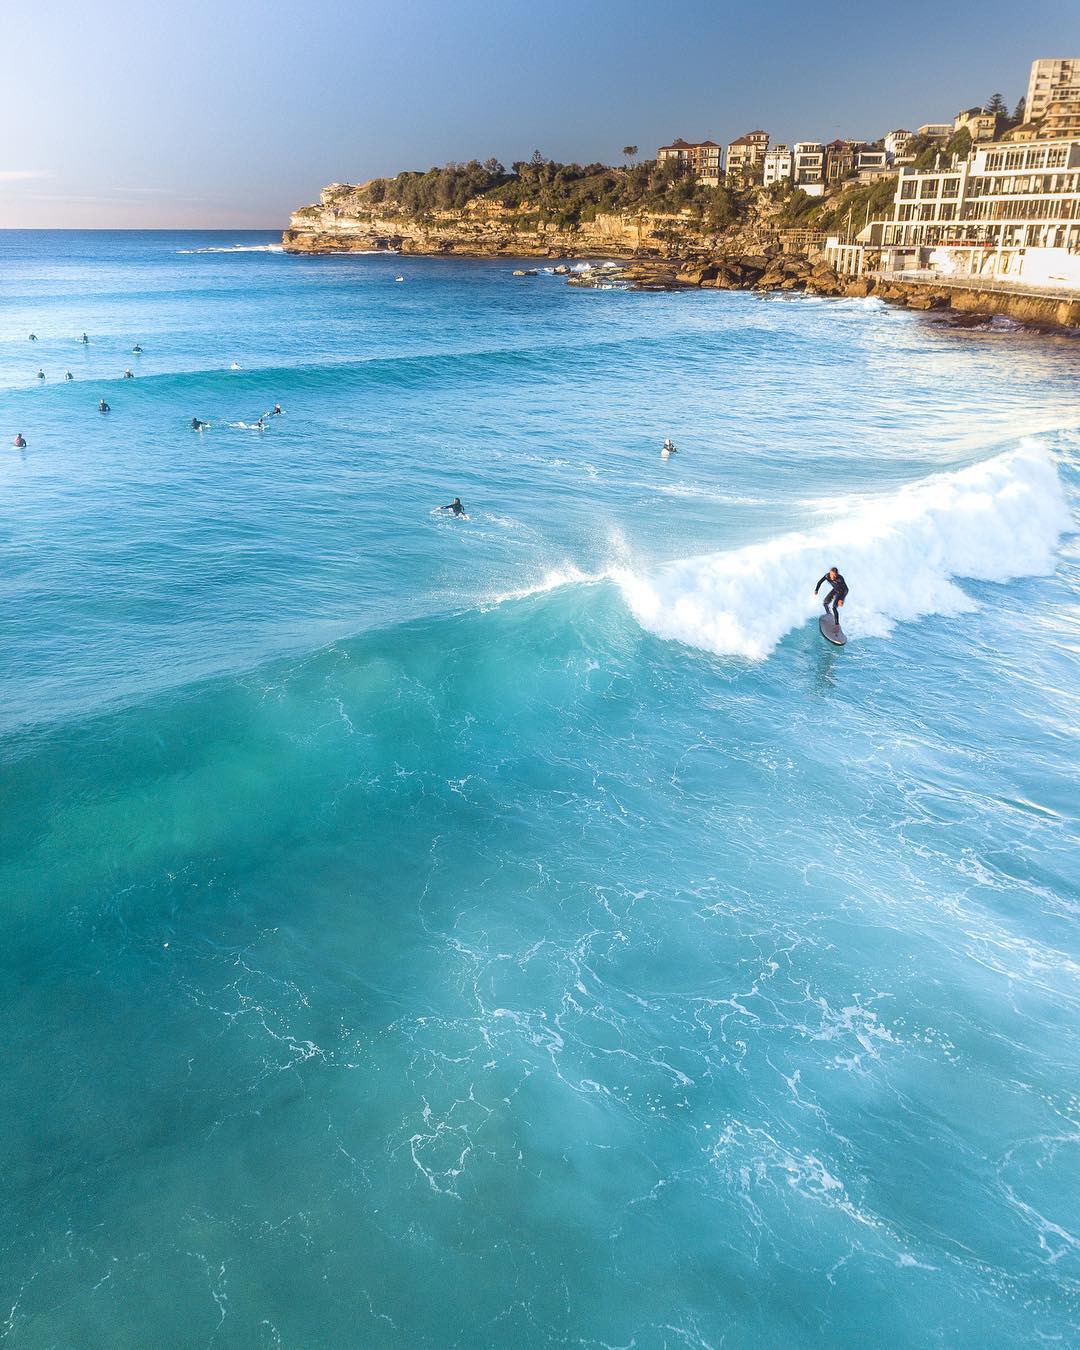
526 930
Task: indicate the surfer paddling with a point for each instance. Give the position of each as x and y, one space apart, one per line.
837 595
455 508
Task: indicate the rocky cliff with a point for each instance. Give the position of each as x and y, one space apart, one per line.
344 221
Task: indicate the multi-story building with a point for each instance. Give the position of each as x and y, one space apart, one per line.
897 146
1062 115
701 158
980 126
935 131
746 155
840 160
871 164
989 213
808 167
777 165
1048 77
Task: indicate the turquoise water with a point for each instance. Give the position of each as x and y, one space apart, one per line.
527 931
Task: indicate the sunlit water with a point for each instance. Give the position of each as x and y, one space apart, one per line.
527 931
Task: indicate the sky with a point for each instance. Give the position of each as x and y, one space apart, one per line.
230 115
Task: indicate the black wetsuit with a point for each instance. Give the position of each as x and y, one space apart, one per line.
836 595
456 507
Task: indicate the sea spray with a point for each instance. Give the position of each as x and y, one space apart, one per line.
901 556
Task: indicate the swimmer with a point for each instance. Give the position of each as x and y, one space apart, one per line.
33 337
258 425
19 442
103 407
68 375
234 366
40 374
196 425
128 375
84 338
667 449
137 350
276 410
456 508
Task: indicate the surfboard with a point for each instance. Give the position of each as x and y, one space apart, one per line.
831 632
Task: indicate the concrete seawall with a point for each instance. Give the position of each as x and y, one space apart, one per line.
1048 308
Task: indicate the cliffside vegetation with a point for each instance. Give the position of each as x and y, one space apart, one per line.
566 194
850 208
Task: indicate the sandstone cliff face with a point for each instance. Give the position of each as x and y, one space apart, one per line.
342 222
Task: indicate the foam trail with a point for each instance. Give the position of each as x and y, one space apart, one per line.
992 522
236 248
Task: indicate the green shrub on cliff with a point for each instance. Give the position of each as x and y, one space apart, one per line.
856 204
565 194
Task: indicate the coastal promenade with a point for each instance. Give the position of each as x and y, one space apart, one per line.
1024 301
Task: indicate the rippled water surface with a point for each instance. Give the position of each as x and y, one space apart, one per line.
526 931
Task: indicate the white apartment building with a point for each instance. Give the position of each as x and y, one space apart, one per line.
1048 77
989 214
897 145
808 167
778 164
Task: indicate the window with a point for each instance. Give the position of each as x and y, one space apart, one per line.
950 187
907 188
946 211
929 187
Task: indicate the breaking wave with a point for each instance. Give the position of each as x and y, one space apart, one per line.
236 248
901 555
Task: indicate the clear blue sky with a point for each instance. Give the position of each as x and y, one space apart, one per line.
232 112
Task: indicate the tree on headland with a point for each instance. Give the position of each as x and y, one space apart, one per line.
629 151
1019 113
997 106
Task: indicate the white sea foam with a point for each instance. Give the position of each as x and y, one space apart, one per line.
900 555
553 580
237 248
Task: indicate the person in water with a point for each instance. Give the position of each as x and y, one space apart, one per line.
33 337
137 350
84 338
20 442
196 425
668 448
68 375
837 595
128 375
275 411
455 506
40 374
103 407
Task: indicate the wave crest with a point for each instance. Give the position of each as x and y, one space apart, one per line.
995 521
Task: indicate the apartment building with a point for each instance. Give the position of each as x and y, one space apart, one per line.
935 131
988 213
898 146
777 165
704 159
808 167
746 155
1048 78
980 126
